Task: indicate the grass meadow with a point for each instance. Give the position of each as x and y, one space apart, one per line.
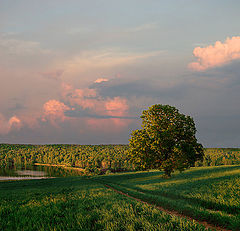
209 194
78 203
205 193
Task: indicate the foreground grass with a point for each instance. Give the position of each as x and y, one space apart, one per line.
77 203
208 193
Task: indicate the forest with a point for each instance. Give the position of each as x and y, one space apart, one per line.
96 159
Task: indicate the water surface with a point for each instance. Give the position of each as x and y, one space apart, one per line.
35 172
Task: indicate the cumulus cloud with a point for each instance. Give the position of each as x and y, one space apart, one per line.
84 97
90 99
115 116
116 106
98 111
14 123
216 55
54 111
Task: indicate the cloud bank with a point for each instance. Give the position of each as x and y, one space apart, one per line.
97 96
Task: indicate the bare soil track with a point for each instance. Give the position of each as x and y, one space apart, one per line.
170 212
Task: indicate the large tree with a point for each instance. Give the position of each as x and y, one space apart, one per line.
166 141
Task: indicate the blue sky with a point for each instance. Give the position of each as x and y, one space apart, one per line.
82 71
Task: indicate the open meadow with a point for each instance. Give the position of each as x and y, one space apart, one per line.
204 193
79 198
85 203
78 203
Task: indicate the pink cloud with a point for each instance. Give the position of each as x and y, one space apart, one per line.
216 55
100 80
54 111
116 107
85 97
90 99
14 123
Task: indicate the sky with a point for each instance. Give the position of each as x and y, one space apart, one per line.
82 72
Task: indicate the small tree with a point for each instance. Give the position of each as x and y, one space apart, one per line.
166 141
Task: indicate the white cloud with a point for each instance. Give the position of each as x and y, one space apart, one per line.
216 55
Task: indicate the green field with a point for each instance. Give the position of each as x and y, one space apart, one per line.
78 203
204 193
83 203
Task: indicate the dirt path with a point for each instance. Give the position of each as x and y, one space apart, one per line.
175 213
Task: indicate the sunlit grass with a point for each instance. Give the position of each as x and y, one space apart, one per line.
205 193
78 203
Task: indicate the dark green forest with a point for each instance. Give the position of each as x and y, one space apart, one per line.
95 159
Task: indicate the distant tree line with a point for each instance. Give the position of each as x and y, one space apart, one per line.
220 156
96 159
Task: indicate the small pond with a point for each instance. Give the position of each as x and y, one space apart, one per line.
35 172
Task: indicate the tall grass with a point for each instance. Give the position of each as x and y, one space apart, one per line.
77 203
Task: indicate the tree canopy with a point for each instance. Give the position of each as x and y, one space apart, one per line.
166 141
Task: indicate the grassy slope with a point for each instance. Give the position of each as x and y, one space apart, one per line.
206 193
77 203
